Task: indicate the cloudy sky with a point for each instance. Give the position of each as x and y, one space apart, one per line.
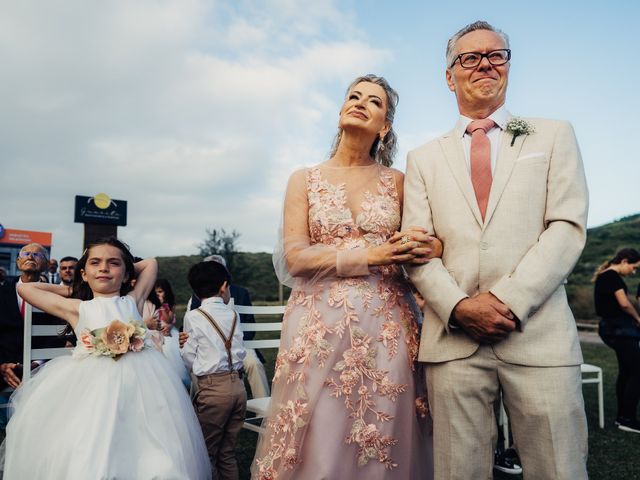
196 112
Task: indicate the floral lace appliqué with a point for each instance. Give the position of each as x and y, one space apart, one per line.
355 378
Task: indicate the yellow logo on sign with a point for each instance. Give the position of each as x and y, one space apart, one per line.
102 200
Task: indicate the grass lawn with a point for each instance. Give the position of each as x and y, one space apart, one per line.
613 454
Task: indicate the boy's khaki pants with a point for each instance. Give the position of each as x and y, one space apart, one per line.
220 405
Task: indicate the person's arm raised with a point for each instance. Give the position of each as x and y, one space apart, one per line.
52 299
146 271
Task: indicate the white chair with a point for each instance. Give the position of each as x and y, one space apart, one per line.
260 406
593 374
31 354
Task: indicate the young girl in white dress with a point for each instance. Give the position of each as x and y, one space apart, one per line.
110 410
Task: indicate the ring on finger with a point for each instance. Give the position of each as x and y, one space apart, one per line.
405 239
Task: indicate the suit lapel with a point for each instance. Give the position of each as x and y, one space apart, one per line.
505 162
452 147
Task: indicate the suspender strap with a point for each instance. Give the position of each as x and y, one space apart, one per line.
225 340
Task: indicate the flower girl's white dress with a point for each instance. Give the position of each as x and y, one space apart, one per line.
88 417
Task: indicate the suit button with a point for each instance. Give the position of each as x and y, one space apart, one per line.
484 245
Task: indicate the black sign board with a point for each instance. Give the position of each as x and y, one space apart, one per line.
100 210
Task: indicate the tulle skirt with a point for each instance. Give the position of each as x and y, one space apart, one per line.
96 418
171 350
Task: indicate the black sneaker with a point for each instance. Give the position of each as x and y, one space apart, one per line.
629 425
507 462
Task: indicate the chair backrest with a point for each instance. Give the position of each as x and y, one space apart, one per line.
30 354
258 310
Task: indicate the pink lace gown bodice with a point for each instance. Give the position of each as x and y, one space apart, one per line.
332 221
344 389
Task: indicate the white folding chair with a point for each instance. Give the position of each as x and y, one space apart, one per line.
31 354
593 374
260 406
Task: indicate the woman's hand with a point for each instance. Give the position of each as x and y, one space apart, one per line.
422 246
389 253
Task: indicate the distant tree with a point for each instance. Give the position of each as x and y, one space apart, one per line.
219 242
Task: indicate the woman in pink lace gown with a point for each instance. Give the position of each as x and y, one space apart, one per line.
345 402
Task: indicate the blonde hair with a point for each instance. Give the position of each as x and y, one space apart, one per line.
382 152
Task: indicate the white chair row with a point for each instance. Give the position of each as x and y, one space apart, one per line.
260 406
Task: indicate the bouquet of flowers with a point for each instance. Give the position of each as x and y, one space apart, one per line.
165 319
115 339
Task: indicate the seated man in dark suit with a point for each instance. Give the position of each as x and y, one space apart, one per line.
253 363
32 262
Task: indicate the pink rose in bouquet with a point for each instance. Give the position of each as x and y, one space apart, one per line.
86 338
136 344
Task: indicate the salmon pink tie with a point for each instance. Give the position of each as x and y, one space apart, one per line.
481 161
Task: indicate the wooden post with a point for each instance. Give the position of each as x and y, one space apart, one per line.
94 231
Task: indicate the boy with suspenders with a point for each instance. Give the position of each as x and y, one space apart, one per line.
214 353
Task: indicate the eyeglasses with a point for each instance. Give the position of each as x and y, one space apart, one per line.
32 254
473 59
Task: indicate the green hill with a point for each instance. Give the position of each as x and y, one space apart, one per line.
251 270
602 243
255 271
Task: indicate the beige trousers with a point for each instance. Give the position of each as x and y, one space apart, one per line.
545 408
220 403
256 376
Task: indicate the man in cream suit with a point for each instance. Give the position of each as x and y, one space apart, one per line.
509 202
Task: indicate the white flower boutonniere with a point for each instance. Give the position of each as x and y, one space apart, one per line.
517 126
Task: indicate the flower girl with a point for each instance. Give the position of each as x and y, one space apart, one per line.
110 410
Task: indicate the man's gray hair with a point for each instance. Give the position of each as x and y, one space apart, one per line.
216 258
472 27
42 249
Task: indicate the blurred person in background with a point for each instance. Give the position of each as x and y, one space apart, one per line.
52 271
67 269
619 329
32 262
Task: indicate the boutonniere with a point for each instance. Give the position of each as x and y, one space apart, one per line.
517 126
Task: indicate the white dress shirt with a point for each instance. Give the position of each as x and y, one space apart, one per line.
501 117
204 352
19 298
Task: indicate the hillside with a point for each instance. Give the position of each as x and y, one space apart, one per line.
602 243
251 270
255 271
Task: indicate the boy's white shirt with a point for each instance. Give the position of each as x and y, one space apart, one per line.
204 351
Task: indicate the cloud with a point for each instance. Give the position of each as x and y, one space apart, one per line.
194 112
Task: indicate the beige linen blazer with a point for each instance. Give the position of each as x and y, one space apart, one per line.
533 234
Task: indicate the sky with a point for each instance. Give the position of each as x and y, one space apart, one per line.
196 112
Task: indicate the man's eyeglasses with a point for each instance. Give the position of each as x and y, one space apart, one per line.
32 254
473 59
